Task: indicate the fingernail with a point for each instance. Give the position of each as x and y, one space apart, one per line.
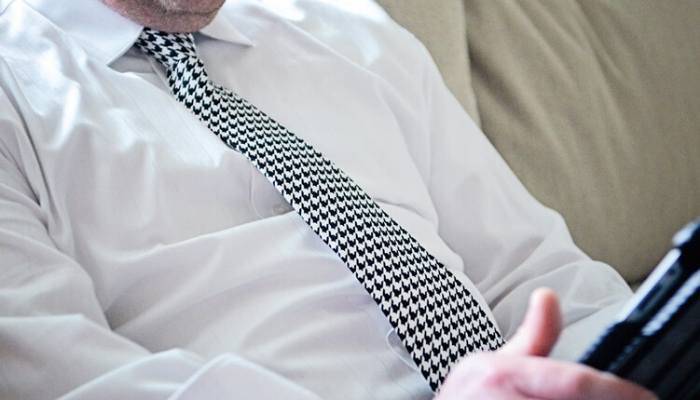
649 396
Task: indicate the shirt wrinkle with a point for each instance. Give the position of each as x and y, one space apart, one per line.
245 299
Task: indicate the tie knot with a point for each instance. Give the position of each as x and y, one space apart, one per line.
167 48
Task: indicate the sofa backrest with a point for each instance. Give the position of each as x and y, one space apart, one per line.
441 26
594 104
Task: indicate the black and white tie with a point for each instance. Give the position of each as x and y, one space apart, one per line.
435 316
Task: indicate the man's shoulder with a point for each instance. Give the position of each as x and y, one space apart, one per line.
16 23
359 30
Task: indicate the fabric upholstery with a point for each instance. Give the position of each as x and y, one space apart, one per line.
594 104
440 25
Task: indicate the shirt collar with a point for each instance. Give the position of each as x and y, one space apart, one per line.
106 35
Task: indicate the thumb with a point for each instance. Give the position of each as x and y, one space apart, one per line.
539 331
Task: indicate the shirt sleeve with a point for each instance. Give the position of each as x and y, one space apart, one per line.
54 337
510 243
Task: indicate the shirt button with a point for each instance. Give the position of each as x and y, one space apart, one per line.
281 208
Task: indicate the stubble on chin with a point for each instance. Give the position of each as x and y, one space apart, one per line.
163 14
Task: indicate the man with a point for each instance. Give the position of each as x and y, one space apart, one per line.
143 259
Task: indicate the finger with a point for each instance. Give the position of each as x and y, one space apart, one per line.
482 376
559 380
540 329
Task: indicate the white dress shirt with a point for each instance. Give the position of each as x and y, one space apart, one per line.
140 258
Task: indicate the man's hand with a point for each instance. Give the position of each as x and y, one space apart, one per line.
520 370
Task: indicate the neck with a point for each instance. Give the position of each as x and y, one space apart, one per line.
155 15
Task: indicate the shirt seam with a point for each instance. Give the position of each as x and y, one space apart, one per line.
4 5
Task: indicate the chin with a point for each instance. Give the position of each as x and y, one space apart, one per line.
168 15
188 6
184 22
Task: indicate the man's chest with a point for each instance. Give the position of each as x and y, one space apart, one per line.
126 167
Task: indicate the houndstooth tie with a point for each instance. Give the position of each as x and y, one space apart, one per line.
435 316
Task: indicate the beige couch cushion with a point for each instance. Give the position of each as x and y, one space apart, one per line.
595 105
441 27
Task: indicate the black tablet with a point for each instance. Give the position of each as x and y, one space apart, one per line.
654 341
